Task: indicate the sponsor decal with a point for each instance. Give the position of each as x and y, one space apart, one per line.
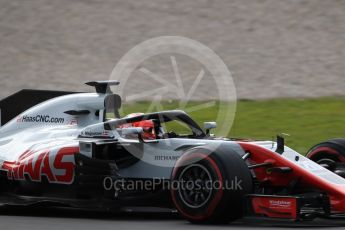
36 165
166 158
73 122
40 119
282 207
280 204
103 133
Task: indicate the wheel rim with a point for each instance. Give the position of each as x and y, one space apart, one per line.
331 164
196 188
335 166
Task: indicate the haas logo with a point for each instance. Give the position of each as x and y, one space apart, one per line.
56 168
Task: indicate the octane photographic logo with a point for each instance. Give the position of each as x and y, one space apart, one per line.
116 186
177 73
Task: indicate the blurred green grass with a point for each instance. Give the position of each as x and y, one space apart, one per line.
307 121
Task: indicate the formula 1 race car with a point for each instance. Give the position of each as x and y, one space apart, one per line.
74 150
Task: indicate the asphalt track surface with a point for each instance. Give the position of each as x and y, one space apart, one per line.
48 219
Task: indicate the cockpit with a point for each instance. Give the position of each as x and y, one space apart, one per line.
160 125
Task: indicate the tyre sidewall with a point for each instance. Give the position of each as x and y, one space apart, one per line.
226 201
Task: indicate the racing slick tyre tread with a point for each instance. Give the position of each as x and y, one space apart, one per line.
226 202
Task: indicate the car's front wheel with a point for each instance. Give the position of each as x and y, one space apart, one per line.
330 154
210 186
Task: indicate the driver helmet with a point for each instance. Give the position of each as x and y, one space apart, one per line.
146 125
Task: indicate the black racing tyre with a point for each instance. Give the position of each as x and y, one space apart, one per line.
210 186
330 154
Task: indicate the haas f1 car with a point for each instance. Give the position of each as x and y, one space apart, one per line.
74 150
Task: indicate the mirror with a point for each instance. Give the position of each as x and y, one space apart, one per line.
209 125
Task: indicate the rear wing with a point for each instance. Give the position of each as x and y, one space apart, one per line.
17 103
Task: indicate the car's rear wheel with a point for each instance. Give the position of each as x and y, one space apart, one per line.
331 155
210 186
